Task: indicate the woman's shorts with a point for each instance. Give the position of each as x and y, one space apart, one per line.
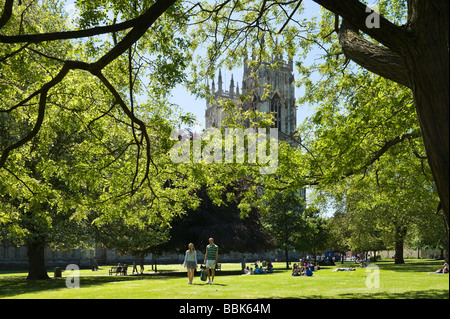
190 265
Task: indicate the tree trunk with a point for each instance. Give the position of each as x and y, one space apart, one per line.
431 96
418 51
428 68
154 267
36 262
399 252
446 237
286 255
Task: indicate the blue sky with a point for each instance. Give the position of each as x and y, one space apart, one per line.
188 103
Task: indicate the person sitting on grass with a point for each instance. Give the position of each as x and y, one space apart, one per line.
259 270
269 268
248 271
295 270
441 271
309 272
256 271
302 271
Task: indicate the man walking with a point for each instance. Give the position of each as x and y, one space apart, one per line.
212 252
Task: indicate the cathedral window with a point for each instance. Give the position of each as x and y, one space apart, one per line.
275 109
254 103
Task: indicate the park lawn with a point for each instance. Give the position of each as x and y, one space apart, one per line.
411 280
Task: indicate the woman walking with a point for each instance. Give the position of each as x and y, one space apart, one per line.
190 262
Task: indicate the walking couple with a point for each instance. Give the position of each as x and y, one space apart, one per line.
190 261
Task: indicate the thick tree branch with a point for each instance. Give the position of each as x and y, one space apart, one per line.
390 35
64 35
147 19
376 155
7 11
375 58
40 118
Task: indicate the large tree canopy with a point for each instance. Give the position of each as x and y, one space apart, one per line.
411 48
74 160
123 152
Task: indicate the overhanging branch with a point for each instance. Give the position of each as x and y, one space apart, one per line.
377 59
376 155
146 20
77 34
390 35
7 11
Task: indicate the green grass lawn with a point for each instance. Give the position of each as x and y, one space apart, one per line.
411 280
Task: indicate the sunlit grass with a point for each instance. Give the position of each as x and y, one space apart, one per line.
411 280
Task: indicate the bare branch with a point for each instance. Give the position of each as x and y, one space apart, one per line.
376 155
290 17
140 123
20 180
7 56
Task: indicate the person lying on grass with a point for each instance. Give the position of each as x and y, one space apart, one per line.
345 269
441 271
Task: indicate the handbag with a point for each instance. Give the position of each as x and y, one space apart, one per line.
203 274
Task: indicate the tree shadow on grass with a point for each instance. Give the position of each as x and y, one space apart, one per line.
16 286
416 266
414 294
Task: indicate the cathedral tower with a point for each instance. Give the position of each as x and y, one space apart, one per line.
280 100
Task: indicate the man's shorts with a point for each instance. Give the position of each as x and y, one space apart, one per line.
210 264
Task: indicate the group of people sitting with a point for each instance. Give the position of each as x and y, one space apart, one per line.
302 270
362 263
259 270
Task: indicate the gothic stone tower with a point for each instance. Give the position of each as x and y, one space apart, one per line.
280 101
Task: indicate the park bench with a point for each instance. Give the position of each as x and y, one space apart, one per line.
113 270
118 270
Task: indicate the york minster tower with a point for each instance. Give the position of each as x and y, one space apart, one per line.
279 100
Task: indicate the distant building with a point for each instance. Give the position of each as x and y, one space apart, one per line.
280 101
